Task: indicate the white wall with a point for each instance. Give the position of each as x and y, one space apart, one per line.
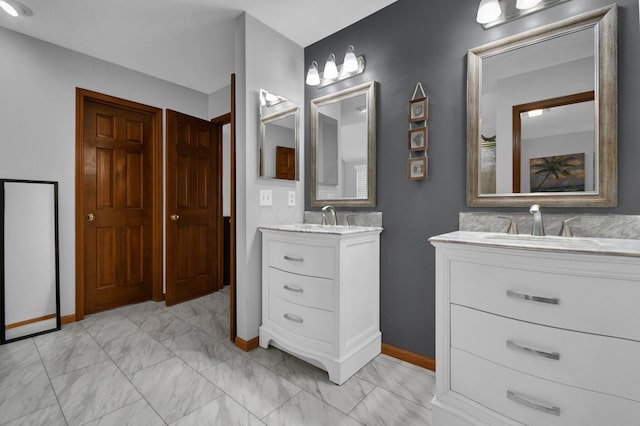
38 81
565 144
256 47
220 101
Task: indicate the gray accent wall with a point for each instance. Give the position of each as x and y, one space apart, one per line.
426 41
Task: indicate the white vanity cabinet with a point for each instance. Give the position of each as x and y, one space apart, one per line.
536 332
321 295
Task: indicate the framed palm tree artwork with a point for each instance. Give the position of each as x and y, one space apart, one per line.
558 173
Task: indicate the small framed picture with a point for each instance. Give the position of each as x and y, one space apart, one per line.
418 139
417 168
418 109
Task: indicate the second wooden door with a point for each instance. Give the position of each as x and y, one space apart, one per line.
194 209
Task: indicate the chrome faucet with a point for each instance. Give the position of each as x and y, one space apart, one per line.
333 215
538 227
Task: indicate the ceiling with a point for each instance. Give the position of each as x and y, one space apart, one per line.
154 36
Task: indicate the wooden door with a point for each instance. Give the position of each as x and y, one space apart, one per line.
194 209
285 163
116 222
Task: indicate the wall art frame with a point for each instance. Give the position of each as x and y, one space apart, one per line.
417 168
418 139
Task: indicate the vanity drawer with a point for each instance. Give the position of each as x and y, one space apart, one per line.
305 259
535 401
307 291
578 359
592 303
312 323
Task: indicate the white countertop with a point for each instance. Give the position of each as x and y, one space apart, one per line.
604 246
322 229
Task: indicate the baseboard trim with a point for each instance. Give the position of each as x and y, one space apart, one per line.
410 357
68 319
247 345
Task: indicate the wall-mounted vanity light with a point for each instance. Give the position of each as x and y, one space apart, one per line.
15 8
332 73
496 12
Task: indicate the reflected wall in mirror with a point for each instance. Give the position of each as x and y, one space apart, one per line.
343 148
29 273
542 116
279 137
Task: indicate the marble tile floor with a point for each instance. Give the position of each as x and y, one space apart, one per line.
147 364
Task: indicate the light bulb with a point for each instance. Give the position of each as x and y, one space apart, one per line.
9 9
313 78
527 4
330 68
15 8
488 11
350 63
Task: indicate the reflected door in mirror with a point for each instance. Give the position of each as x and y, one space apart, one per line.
554 145
285 163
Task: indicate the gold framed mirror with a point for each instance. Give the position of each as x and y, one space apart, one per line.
545 73
343 148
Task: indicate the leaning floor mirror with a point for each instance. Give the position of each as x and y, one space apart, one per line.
29 268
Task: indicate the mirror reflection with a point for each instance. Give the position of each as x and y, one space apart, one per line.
554 145
29 278
343 148
520 78
542 115
279 137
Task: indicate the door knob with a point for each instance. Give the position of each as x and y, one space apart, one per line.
91 217
174 217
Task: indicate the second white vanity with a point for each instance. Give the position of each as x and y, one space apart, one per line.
536 330
321 295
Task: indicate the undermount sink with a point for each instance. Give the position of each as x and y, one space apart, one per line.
322 229
543 239
595 245
527 237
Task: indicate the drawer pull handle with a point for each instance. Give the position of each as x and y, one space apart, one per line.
536 406
294 259
293 318
515 295
294 289
550 355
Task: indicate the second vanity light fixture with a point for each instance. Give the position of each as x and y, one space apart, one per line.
496 12
351 66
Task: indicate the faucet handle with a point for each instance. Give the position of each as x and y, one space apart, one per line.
349 217
513 227
565 230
